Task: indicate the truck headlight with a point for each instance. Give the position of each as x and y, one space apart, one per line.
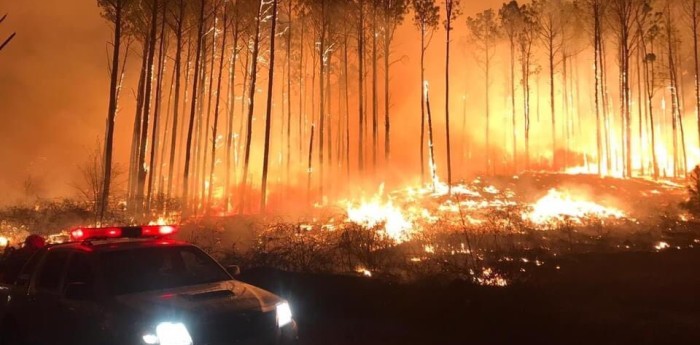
284 314
169 333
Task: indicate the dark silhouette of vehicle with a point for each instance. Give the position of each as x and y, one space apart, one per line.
132 285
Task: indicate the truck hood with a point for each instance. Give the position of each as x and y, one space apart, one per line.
214 313
223 297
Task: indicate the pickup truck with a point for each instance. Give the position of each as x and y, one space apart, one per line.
134 285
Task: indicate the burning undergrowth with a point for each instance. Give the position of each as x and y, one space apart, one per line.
491 231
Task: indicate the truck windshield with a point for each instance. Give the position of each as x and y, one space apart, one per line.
158 268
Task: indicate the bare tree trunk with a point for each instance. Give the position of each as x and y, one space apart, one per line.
229 132
289 94
111 110
216 113
552 107
268 114
251 102
309 166
674 91
136 133
512 100
447 101
347 105
156 112
422 105
322 96
606 115
193 109
141 182
388 33
696 65
176 108
302 93
375 105
487 85
205 130
597 62
431 151
361 58
164 147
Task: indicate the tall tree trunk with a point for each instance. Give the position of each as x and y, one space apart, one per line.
512 103
597 62
309 166
347 105
111 111
289 94
180 150
136 133
649 72
152 167
229 132
422 104
360 59
388 33
193 110
321 95
487 85
176 107
606 105
447 103
205 130
268 113
164 140
302 93
375 101
552 107
216 113
431 151
251 102
141 182
696 65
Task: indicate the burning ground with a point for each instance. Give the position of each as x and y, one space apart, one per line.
535 258
490 231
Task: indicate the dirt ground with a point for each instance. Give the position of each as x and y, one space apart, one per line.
616 298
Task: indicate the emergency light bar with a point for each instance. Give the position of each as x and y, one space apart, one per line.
82 234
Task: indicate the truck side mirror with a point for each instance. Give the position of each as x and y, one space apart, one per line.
79 291
233 270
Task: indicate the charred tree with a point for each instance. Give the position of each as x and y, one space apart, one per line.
251 101
268 113
193 108
426 18
113 11
451 13
394 12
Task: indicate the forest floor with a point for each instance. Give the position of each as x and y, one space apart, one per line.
594 298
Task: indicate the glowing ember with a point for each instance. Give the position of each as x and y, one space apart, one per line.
488 277
661 246
557 206
365 272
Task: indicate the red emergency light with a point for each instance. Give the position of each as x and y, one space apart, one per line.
82 234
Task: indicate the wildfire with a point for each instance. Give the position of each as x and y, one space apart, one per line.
378 213
558 206
164 221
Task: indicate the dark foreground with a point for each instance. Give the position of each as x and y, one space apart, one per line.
621 298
